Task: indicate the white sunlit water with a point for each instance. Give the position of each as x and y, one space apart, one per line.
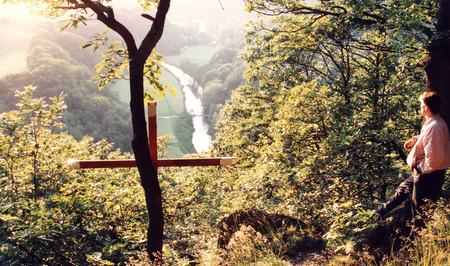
200 138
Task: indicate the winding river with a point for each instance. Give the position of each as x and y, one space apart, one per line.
200 138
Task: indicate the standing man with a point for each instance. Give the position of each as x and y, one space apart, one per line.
429 158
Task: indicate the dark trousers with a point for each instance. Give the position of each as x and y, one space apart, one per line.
427 186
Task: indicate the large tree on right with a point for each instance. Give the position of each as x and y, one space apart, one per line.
437 64
421 28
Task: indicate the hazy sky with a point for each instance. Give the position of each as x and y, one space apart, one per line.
183 11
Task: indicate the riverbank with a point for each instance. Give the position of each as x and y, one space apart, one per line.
172 117
192 99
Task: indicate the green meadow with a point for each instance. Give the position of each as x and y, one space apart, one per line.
198 54
172 118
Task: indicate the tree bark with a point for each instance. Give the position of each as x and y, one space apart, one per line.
437 65
147 170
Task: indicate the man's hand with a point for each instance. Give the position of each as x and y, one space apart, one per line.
409 144
415 175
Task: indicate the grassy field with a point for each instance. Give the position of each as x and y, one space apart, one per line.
172 116
198 54
174 120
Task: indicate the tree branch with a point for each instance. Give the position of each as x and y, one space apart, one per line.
365 18
106 15
374 16
147 16
399 150
75 6
220 2
155 33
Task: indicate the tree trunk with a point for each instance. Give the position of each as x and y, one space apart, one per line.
147 170
137 58
437 66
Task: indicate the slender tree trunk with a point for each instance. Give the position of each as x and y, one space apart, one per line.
437 65
147 170
137 58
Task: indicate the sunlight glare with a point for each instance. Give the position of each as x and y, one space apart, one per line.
20 10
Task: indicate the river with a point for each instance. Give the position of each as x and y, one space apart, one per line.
200 138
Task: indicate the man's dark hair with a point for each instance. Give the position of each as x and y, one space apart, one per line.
432 100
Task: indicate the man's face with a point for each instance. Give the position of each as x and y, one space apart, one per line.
423 107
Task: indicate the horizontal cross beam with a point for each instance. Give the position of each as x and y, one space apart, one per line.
153 145
168 162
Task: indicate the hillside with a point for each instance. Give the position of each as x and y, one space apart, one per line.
190 46
22 47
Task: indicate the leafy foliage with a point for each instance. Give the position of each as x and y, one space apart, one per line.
114 65
333 129
332 95
350 227
51 216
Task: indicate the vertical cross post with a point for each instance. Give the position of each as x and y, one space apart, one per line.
152 133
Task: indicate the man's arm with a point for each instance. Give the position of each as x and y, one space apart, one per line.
434 150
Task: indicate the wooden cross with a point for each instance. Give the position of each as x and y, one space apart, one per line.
152 142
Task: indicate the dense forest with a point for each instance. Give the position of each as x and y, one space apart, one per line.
315 101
